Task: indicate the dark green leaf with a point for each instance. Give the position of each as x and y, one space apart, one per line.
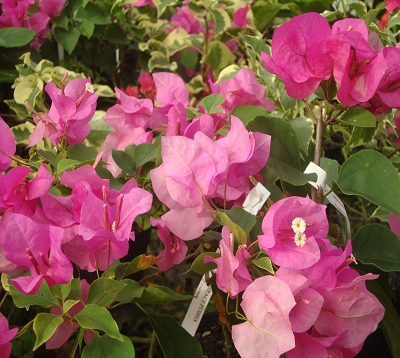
103 291
65 164
139 263
96 317
249 112
159 294
284 144
219 56
105 346
44 326
67 38
375 244
124 161
130 291
290 174
174 340
264 263
210 102
238 232
242 218
8 76
189 59
86 28
16 36
144 153
82 153
72 292
265 12
221 19
359 117
43 297
390 324
304 128
115 34
200 267
93 13
371 175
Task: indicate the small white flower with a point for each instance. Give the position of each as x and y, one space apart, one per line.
89 87
300 239
298 225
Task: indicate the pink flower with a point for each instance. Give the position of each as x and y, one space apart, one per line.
267 333
294 228
6 335
358 69
175 248
232 274
239 16
72 108
185 19
38 248
298 55
51 7
7 145
392 5
394 222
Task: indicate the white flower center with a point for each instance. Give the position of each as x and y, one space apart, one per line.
300 239
89 87
299 225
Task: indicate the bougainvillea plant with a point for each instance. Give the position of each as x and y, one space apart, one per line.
220 98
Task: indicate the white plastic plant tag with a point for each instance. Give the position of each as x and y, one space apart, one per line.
197 307
256 199
332 197
252 204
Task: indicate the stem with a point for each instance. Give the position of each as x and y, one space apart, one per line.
78 340
3 299
318 149
152 344
228 341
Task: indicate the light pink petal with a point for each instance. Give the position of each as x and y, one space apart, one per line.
40 184
307 347
170 89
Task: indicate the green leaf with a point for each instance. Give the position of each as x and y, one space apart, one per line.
130 291
82 153
375 244
284 144
28 90
72 291
43 297
359 117
93 13
331 167
221 19
86 28
44 326
200 267
304 128
159 294
264 263
125 161
249 112
174 340
265 12
69 304
187 58
161 5
290 174
103 291
361 9
139 263
371 175
161 60
98 131
238 232
65 164
105 346
361 135
210 102
177 40
61 21
15 36
96 317
67 38
242 218
115 34
8 76
22 132
390 324
218 56
19 109
144 153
